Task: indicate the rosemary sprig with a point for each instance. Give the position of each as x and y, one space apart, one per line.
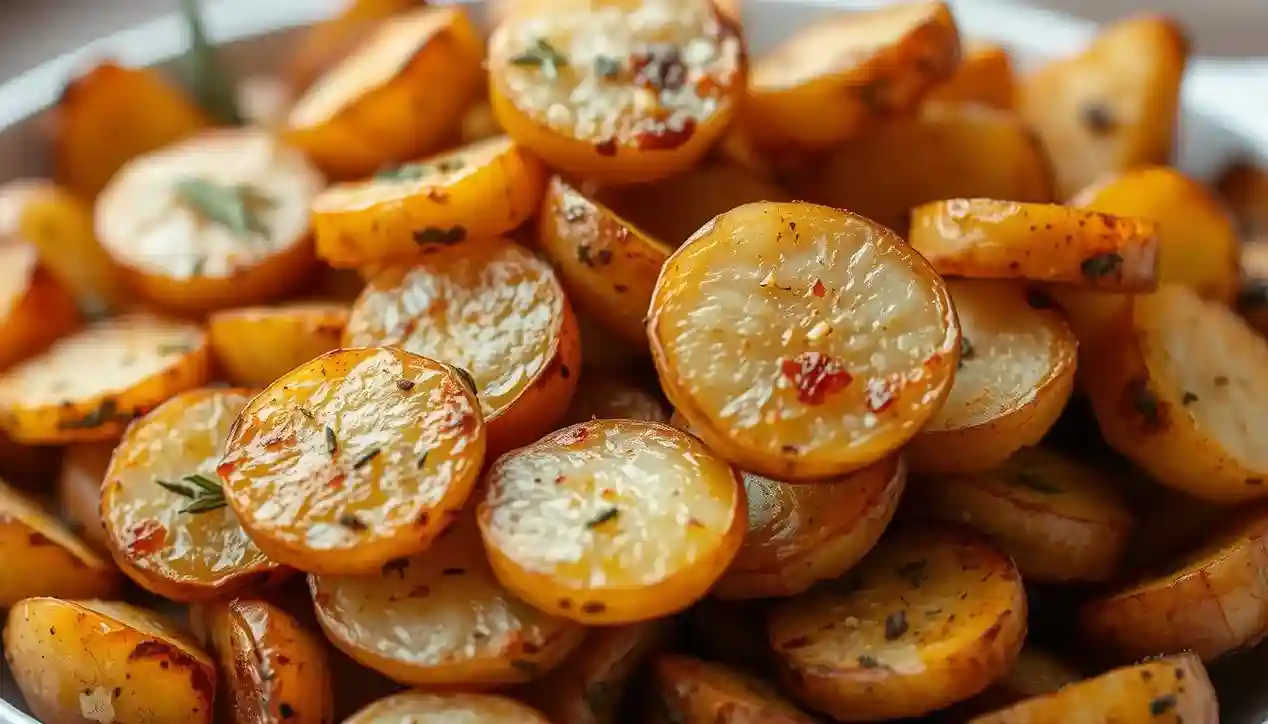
206 494
237 207
206 76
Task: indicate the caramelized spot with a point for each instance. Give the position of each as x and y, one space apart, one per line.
815 376
147 537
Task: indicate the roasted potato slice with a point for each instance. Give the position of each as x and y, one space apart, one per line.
989 239
1061 520
609 397
1170 690
1178 389
327 42
272 669
493 309
421 706
485 189
609 265
984 77
219 220
801 341
1015 375
354 459
82 661
79 491
110 115
253 346
38 309
1244 188
164 506
1113 106
612 521
43 558
476 633
943 152
933 616
692 691
399 95
89 385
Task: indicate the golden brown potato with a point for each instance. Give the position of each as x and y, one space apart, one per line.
354 459
38 309
612 521
933 616
327 42
95 661
253 346
496 311
690 691
421 706
79 491
607 396
399 95
91 384
943 152
1170 690
644 104
1178 388
479 123
1244 188
780 334
217 221
847 72
1111 107
1060 520
985 76
989 239
110 115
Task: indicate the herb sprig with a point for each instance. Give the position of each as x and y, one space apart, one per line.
206 494
237 207
211 83
542 54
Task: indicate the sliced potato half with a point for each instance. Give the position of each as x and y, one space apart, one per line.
43 558
801 341
38 309
692 691
89 385
612 521
933 616
608 396
493 309
1016 373
328 41
421 706
79 491
253 346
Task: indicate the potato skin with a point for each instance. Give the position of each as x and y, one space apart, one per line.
692 691
40 309
253 346
42 558
985 77
327 42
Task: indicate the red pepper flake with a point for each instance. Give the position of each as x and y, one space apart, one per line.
818 289
880 394
147 537
815 376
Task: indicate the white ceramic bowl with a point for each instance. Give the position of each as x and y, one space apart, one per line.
1225 107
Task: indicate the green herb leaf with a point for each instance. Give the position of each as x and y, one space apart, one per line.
365 459
542 55
603 517
177 488
210 81
332 442
606 67
237 208
105 413
207 494
1101 265
404 172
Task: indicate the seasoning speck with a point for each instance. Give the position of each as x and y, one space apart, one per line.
365 459
603 517
332 442
895 625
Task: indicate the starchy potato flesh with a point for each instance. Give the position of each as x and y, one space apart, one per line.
255 345
418 706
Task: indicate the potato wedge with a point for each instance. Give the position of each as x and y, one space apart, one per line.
493 309
89 385
608 265
609 397
989 239
645 103
984 77
848 72
612 521
110 115
421 706
38 309
1178 388
933 616
692 691
399 95
1113 106
271 668
164 508
94 661
475 632
485 189
1213 600
779 334
327 42
253 346
43 558
1170 690
1244 188
943 152
217 221
1015 375
354 459
79 491
1061 520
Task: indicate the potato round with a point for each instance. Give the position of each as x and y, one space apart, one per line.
328 41
216 221
609 397
441 619
1015 375
989 239
253 346
1061 520
493 309
421 706
91 384
612 521
691 691
354 459
1180 391
43 558
644 102
399 95
934 615
985 77
37 308
164 509
81 661
485 189
1170 690
800 341
79 491
608 265
847 72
